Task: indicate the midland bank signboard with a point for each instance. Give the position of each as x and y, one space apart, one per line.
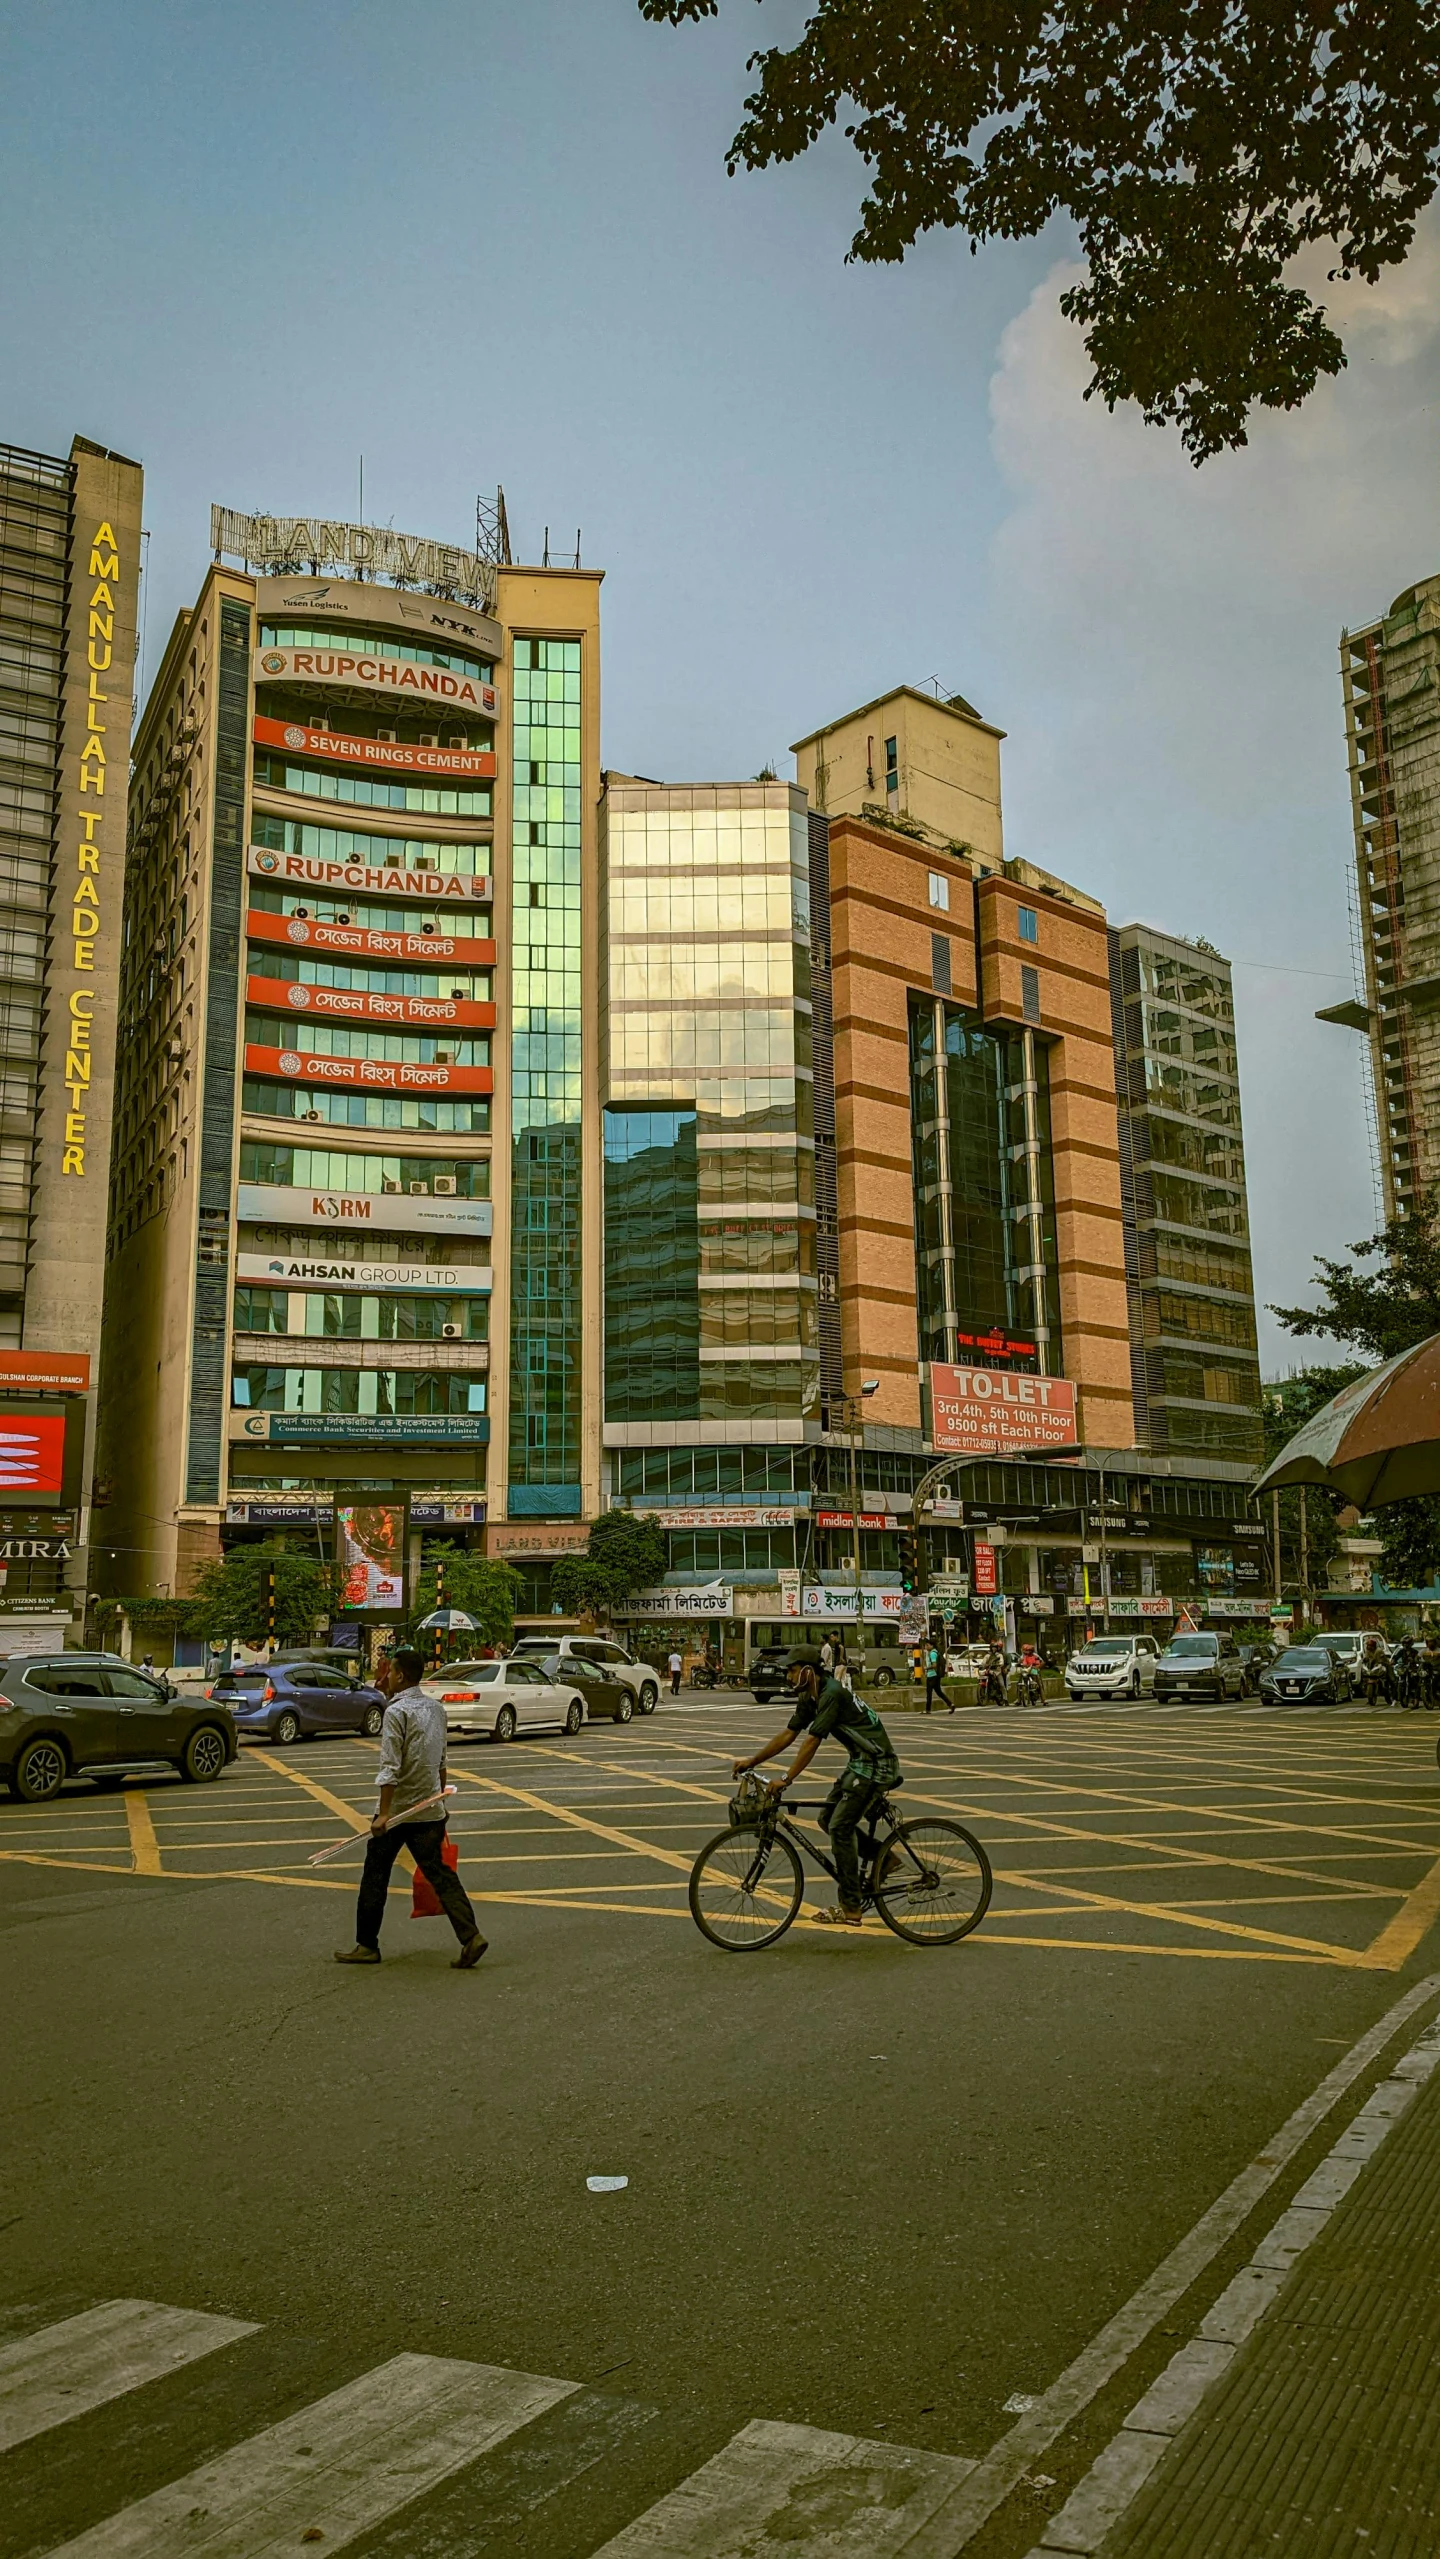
994 1412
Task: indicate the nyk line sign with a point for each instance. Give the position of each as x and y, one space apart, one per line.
374 1074
377 754
358 1004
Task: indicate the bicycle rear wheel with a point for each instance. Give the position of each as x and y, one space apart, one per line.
932 1882
745 1889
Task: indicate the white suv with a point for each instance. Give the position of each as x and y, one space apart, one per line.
638 1677
1112 1666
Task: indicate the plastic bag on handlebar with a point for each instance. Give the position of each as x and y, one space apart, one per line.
750 1801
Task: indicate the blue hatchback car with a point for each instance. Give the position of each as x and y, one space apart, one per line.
292 1701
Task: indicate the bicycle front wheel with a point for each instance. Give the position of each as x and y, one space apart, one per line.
745 1889
932 1883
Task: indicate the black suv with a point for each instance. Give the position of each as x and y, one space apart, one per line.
94 1715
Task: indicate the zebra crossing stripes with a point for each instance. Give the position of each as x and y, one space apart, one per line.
335 2470
792 2485
360 2458
80 2363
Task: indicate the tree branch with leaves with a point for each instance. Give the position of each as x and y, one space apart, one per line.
1198 146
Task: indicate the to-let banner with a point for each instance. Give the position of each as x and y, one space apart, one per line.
360 1004
366 879
373 1074
377 754
434 950
982 1412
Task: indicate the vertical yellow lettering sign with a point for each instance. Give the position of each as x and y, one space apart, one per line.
87 912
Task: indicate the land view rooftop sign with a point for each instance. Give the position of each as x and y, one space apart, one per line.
278 544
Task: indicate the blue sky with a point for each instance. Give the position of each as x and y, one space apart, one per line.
479 243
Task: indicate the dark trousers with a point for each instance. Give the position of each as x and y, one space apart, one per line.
934 1689
844 1808
674 1683
424 1841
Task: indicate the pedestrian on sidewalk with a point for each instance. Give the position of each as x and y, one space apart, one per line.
411 1771
934 1677
676 1667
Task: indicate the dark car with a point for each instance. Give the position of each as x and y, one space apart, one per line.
1200 1666
606 1695
94 1715
1308 1674
767 1670
293 1700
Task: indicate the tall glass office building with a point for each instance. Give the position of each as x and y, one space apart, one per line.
1193 1349
709 1153
545 1082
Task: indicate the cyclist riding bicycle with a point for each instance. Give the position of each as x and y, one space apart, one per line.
820 1707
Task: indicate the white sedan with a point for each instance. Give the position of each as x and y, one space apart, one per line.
501 1698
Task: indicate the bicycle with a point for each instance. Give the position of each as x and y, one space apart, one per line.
929 1879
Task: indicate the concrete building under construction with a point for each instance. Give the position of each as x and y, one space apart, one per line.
1390 672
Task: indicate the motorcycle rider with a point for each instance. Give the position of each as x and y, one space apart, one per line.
1409 1673
1375 1670
1430 1664
993 1679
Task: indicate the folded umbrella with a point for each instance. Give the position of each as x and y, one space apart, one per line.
1376 1441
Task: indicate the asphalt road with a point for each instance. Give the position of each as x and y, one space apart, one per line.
870 2189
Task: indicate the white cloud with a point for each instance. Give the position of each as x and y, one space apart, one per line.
1173 633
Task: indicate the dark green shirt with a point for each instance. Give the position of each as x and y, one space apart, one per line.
836 1710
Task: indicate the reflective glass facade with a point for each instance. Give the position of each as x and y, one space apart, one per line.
707 1028
545 1267
978 1208
1187 1229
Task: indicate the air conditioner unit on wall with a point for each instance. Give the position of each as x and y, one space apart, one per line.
446 1185
450 1332
391 1186
420 1186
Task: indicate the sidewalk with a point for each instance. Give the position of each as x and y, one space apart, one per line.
1303 2421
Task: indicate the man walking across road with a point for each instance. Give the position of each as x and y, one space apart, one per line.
411 1771
676 1667
934 1679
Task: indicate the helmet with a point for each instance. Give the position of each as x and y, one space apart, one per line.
803 1657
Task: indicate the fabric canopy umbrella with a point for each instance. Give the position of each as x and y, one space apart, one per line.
449 1621
1375 1441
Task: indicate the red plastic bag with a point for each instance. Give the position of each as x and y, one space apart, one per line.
424 1904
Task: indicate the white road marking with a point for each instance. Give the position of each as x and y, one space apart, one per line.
992 2479
335 2470
796 2487
79 2363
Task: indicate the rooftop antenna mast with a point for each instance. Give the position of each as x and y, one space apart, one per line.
492 531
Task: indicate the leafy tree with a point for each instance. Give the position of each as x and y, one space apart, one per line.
488 1590
1197 146
1383 1312
230 1602
623 1554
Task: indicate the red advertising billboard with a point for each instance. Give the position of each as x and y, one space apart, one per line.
361 1004
377 754
433 949
991 1412
32 1452
373 1074
986 1581
44 1372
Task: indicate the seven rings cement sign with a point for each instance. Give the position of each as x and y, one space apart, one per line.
983 1412
377 754
374 1074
